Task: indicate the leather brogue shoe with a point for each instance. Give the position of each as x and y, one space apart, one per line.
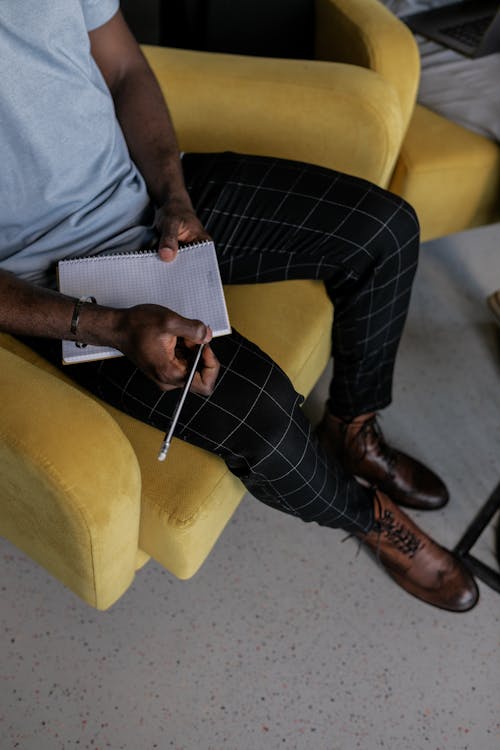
359 445
418 564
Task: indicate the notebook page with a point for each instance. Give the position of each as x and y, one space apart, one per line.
190 285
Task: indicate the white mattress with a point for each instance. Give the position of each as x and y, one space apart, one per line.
464 90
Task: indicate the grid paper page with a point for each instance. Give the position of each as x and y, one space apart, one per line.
190 285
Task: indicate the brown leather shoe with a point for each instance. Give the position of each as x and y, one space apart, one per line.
360 447
419 565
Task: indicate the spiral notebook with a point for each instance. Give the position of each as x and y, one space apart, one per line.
190 285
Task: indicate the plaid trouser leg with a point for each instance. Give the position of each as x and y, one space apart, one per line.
252 420
274 220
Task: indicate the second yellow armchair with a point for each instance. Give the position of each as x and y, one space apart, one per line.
449 174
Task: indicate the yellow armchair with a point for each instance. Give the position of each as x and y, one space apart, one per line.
449 174
81 491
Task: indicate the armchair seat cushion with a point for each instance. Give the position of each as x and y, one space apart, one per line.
449 174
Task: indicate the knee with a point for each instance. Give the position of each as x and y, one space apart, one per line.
398 243
405 230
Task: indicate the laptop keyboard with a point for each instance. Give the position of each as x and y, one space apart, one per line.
469 32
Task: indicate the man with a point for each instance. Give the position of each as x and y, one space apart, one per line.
77 97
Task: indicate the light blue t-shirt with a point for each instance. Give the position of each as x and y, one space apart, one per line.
68 184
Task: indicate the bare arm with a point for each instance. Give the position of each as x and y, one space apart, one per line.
147 126
29 310
147 334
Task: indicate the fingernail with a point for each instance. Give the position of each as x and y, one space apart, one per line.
165 253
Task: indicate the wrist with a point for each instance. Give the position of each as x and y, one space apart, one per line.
177 200
75 318
168 184
99 325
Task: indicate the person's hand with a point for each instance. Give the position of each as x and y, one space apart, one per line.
178 222
162 343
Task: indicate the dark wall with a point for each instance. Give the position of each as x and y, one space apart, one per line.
144 18
274 28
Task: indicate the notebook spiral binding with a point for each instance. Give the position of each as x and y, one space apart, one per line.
133 253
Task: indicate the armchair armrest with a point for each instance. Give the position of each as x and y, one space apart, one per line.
69 483
365 33
334 115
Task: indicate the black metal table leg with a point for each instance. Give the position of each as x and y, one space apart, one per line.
484 572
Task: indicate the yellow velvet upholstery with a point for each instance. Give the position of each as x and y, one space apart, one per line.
299 109
449 174
81 490
60 502
365 33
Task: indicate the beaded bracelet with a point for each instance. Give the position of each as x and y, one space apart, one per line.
76 316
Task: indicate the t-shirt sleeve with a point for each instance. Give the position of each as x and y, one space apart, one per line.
98 12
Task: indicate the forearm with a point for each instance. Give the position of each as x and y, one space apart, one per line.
29 310
147 334
149 132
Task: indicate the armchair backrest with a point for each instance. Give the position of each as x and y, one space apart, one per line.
366 33
359 32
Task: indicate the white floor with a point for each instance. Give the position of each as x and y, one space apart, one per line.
288 638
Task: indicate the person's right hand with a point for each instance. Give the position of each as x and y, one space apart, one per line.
160 342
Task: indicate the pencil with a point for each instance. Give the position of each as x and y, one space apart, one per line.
187 385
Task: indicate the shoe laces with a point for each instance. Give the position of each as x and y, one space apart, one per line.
396 533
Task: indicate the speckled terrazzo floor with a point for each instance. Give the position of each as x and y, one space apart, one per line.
288 638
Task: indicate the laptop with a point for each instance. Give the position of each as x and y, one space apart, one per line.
471 27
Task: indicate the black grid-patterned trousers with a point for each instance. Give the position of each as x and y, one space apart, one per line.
274 220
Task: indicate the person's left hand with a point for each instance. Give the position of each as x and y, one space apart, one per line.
178 222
